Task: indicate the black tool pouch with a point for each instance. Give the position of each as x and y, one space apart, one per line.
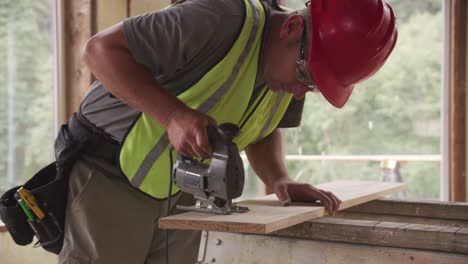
50 187
50 192
14 219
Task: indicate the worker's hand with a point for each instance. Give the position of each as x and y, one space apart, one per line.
187 131
289 191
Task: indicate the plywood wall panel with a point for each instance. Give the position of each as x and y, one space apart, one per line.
110 12
138 7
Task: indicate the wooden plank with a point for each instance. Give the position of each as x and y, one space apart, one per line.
457 97
78 26
110 12
433 209
241 248
377 233
266 214
402 219
138 7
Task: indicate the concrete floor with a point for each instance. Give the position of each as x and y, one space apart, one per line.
10 253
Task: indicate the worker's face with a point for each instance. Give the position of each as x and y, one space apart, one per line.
289 73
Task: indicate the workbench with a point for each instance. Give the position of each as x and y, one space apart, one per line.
380 231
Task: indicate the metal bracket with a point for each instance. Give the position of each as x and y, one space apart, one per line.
203 246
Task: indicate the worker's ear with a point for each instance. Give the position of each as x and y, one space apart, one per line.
292 27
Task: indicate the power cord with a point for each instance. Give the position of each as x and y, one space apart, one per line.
169 195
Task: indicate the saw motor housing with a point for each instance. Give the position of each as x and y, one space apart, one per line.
213 185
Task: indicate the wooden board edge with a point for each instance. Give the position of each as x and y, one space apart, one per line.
249 228
266 228
311 215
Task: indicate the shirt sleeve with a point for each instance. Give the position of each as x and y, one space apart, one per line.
173 39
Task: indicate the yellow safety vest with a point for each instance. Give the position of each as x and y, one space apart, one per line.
222 93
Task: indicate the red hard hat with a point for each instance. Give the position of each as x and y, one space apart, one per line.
351 40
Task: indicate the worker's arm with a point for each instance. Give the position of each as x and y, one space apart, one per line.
267 159
110 60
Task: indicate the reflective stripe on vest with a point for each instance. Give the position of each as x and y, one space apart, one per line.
223 93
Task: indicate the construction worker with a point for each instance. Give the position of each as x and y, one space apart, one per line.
163 77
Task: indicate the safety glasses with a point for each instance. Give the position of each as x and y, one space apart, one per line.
302 71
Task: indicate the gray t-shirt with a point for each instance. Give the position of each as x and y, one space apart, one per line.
178 45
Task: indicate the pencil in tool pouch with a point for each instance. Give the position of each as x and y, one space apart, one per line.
44 223
26 210
27 197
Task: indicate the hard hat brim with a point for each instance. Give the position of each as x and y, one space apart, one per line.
332 89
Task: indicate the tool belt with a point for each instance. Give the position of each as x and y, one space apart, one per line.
49 186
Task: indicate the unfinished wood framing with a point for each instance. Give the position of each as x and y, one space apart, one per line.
110 12
437 226
430 209
400 218
78 26
378 233
457 100
425 213
81 19
138 7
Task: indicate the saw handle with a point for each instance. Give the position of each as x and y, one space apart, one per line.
229 131
212 136
225 133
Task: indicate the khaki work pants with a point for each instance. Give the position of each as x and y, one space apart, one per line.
110 222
